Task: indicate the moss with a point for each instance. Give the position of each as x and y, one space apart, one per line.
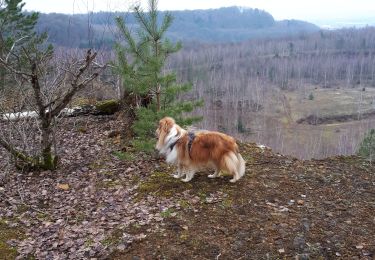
89 242
226 203
7 233
113 239
202 195
82 129
166 213
22 208
184 236
184 204
162 184
108 184
99 164
108 107
124 156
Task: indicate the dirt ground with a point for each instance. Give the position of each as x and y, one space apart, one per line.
108 202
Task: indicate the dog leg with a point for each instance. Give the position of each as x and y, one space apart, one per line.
189 176
215 174
179 173
236 177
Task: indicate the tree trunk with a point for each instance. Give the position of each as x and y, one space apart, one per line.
128 103
48 160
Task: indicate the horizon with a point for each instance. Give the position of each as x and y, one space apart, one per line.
334 11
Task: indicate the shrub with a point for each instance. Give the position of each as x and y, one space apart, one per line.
367 146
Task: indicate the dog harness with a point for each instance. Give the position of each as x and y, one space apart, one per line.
191 139
191 136
174 143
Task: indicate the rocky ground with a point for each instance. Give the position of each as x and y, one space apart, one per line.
106 201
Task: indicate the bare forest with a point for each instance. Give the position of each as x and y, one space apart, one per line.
307 96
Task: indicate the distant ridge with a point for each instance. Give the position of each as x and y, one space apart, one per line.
223 25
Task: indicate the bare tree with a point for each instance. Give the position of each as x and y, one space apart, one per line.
44 87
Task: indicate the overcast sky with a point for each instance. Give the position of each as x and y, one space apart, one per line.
308 10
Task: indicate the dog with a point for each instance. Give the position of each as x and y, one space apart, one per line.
194 151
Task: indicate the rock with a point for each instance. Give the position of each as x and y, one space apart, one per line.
121 247
63 186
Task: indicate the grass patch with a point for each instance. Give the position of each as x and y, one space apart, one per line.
108 184
113 239
166 213
7 233
162 184
124 156
226 203
184 204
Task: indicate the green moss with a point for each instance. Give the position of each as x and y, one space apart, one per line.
124 156
96 165
82 129
184 204
226 203
108 183
166 213
184 236
108 106
22 208
162 184
89 242
202 195
113 239
7 233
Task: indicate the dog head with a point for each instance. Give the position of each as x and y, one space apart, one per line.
165 126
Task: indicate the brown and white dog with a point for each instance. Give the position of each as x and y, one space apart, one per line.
194 151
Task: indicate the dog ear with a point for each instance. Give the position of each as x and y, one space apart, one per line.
166 124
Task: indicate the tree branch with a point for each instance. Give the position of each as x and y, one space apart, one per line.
76 85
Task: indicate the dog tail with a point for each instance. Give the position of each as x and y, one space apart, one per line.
241 165
235 164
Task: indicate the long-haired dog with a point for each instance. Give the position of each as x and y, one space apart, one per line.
194 151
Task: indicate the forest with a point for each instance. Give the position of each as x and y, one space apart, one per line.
231 24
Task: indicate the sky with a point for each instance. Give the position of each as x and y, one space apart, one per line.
307 10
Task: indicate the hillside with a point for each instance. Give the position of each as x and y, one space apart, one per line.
106 201
263 90
231 24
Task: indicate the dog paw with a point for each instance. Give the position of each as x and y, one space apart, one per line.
212 176
185 180
233 180
177 176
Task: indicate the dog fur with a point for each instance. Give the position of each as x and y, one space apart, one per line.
208 149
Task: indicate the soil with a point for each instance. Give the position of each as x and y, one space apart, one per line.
107 201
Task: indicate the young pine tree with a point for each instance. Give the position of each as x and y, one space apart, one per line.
16 31
150 93
367 146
